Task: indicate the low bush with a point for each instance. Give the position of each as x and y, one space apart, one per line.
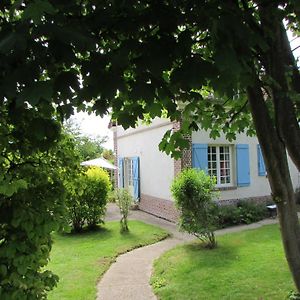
124 201
193 192
87 198
242 213
293 296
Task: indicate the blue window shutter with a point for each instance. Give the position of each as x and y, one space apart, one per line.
242 165
136 177
261 163
199 156
121 172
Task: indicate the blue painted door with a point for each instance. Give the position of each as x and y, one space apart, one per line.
261 163
199 156
136 177
121 172
242 165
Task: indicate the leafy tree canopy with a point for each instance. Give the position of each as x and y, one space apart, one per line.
139 57
87 147
216 60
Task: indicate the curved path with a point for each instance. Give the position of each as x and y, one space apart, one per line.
128 278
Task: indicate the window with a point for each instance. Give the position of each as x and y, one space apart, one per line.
219 164
129 171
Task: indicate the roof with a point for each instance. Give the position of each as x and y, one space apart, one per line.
99 162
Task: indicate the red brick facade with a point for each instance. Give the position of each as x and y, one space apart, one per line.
186 159
159 207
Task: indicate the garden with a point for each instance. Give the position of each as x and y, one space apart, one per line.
81 259
245 265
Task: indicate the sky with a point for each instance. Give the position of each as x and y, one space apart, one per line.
93 125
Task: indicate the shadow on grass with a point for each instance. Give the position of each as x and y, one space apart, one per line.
220 257
87 232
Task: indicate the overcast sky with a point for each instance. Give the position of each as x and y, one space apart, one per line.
94 125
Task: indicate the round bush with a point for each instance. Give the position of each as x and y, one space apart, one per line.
96 194
87 198
193 192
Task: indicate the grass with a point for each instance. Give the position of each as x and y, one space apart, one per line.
246 265
80 259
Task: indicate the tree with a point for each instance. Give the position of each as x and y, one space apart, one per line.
32 205
228 63
108 154
88 147
124 201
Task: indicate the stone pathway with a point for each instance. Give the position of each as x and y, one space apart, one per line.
128 278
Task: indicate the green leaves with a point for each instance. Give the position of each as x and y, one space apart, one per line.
173 143
8 42
9 186
193 73
36 9
37 91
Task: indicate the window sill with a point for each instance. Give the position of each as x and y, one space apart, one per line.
226 188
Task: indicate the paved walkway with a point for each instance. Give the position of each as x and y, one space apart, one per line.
128 278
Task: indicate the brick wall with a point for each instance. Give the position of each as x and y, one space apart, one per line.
256 200
159 207
166 209
186 158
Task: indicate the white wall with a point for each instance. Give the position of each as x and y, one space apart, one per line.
156 168
259 185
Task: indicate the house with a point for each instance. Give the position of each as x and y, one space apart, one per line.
148 173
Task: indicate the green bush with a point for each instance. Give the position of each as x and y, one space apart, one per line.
293 296
95 194
32 206
193 192
75 201
242 213
124 200
228 215
87 198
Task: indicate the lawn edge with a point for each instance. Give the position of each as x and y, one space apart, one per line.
113 259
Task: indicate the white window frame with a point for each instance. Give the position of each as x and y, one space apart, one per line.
218 161
128 171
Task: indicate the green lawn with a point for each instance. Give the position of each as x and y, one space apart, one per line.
247 265
81 259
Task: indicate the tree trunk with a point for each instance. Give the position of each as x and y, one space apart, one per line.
280 65
275 157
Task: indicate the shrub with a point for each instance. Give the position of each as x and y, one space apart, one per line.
75 201
124 200
87 197
32 196
95 194
193 192
293 296
242 213
228 215
252 212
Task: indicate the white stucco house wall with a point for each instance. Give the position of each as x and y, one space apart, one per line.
148 173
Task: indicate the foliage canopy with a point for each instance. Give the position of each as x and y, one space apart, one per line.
216 60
